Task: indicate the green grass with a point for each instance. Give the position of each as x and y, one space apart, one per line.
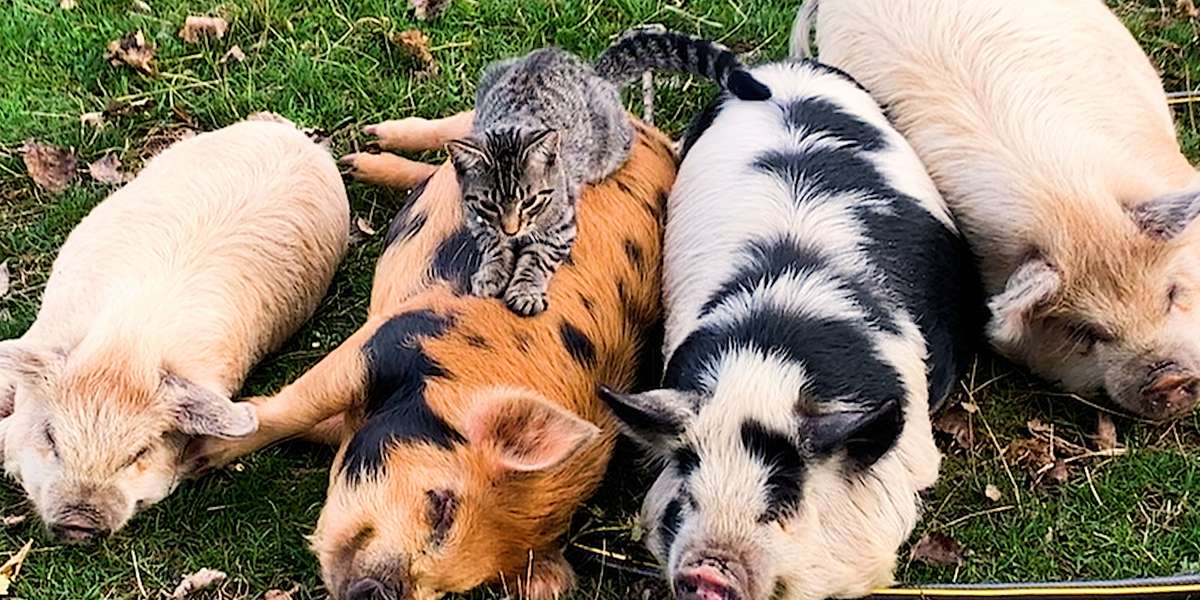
320 62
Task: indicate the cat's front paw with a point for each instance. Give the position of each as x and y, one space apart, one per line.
526 300
489 282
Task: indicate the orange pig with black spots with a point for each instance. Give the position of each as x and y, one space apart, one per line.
469 435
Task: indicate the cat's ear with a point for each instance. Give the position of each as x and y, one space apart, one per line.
467 154
541 148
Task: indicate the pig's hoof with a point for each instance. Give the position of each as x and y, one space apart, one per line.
550 578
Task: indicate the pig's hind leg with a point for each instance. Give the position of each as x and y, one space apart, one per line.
415 134
387 170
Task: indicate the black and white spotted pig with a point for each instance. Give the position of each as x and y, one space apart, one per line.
820 303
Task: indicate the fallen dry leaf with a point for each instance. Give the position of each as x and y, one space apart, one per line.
360 231
12 568
1032 453
51 167
969 406
956 422
4 283
133 50
121 108
992 493
1188 7
67 4
427 10
108 170
94 120
14 520
1106 432
1058 474
194 28
364 226
200 580
161 137
140 6
938 549
234 54
416 44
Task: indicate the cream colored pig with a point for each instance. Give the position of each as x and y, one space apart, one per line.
1047 129
159 303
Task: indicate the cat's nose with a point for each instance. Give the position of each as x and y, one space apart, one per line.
510 224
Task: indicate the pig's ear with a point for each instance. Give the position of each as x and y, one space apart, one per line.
522 433
200 411
865 434
654 419
1030 287
1167 216
467 154
29 364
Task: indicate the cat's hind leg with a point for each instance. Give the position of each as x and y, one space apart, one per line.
415 134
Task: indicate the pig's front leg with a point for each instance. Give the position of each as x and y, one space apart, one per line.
304 408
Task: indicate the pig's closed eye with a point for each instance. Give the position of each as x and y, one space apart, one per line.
50 441
136 457
1088 335
441 510
1174 294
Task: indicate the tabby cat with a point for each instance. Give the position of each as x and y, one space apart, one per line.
545 125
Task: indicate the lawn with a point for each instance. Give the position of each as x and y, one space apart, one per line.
332 65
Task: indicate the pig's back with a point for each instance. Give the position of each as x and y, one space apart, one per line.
810 204
1015 107
219 248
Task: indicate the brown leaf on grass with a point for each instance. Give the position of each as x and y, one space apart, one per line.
1188 7
12 568
416 44
51 167
196 28
1106 432
108 170
5 282
364 226
133 50
956 423
162 137
234 54
67 4
360 231
121 108
200 580
938 549
1037 457
14 520
428 10
1029 452
1058 474
140 6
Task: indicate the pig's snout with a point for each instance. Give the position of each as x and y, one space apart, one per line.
707 579
1169 392
78 526
371 589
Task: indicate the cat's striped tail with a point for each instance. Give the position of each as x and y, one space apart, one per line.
644 49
